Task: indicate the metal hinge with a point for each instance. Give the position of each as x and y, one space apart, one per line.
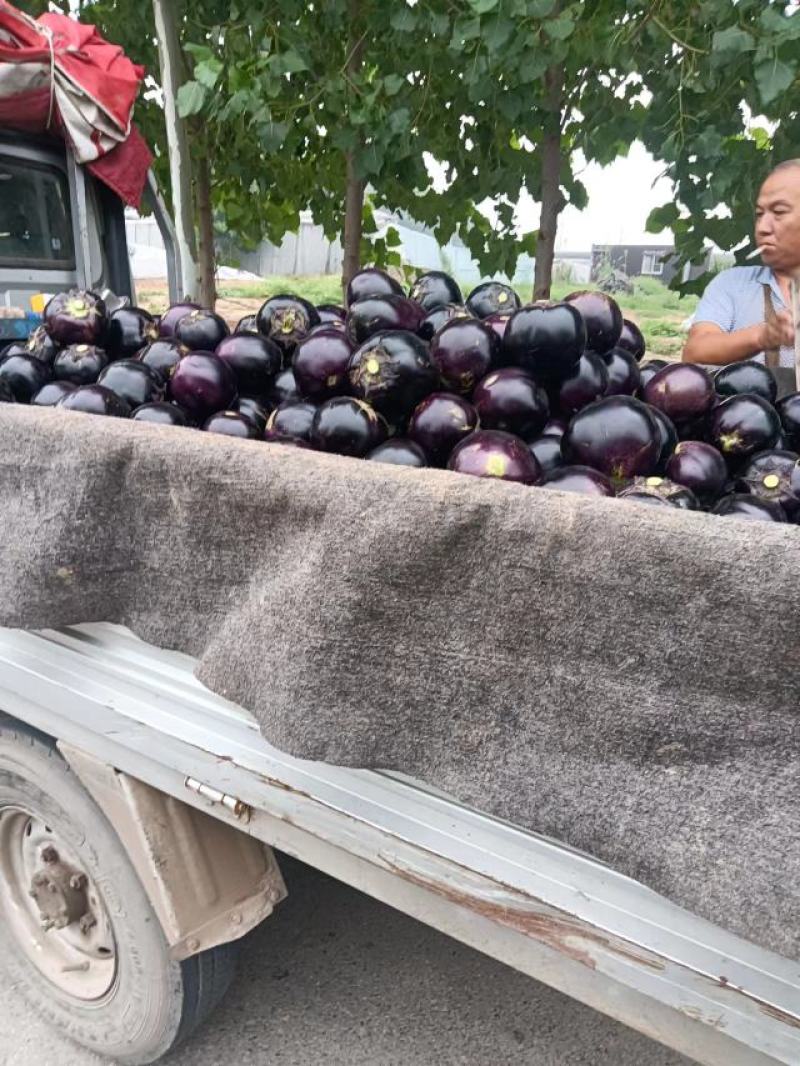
238 807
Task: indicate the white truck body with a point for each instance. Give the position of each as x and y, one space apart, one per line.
541 907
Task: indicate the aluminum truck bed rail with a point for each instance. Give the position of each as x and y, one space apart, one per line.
529 901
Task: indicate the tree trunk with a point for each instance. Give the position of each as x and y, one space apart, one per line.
354 186
354 206
552 199
207 260
180 170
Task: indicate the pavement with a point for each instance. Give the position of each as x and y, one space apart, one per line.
335 978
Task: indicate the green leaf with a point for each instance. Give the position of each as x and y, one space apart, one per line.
208 72
273 134
775 21
465 30
288 62
404 20
483 7
663 217
392 238
190 99
392 84
399 120
732 40
773 78
540 9
559 29
199 51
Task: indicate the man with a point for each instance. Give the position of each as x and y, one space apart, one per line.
744 312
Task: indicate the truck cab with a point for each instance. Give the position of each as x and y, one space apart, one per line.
60 228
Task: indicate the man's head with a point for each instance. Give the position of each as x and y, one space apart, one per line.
777 226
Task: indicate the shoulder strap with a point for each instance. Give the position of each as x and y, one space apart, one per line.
772 356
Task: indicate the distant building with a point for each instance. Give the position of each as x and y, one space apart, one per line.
642 261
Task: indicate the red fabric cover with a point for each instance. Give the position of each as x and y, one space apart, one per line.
94 79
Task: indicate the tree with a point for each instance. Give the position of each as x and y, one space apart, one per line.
724 110
339 108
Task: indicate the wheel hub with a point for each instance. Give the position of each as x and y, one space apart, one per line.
53 908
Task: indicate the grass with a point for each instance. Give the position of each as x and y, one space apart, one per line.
657 310
318 288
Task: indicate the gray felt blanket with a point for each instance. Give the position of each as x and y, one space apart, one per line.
620 677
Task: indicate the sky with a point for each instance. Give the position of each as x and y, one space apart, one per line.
621 196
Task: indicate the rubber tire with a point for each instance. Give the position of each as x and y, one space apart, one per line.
155 1002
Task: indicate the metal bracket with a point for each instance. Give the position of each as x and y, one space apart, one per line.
209 882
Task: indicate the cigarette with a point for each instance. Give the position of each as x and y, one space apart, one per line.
754 253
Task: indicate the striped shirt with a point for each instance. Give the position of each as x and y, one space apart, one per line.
735 299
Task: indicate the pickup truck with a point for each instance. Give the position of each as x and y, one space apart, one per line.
140 813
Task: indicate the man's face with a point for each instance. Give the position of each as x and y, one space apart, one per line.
777 229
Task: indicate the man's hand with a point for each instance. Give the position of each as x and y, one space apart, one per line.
777 334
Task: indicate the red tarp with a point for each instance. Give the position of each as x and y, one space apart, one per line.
60 75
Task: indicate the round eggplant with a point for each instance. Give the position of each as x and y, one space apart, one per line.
492 453
743 425
254 360
371 282
435 289
698 466
286 319
202 384
511 400
79 364
256 410
624 376
440 316
376 314
162 356
464 351
76 317
547 452
161 413
744 505
129 330
24 375
293 420
172 316
738 378
586 383
51 394
95 400
201 331
490 297
320 364
439 423
683 391
231 424
547 340
617 436
581 479
348 427
399 452
133 382
602 316
392 372
631 339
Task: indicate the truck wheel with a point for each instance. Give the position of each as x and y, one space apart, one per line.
78 935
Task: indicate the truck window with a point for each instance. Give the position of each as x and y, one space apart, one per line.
35 226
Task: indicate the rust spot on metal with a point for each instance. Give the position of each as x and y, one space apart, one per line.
553 930
779 1015
715 1021
275 783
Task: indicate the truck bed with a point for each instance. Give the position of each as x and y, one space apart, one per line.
539 906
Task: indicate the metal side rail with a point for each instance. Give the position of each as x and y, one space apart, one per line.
543 908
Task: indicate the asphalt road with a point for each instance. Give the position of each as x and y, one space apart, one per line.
337 979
